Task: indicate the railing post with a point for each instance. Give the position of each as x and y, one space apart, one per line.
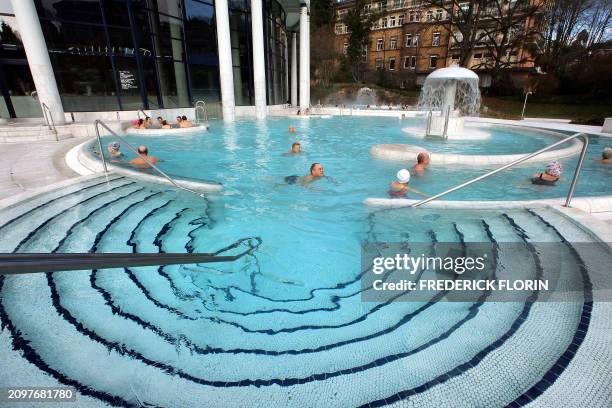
518 161
570 193
97 122
445 132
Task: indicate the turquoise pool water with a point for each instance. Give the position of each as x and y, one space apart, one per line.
285 325
248 158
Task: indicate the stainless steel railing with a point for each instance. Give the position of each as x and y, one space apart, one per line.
521 160
200 106
143 112
49 119
445 132
98 123
22 263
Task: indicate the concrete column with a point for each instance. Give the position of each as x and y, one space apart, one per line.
259 64
304 58
38 58
286 62
294 63
226 75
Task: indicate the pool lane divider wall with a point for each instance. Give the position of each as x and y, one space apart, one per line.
406 152
82 162
166 132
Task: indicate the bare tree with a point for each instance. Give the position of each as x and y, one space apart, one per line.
572 28
508 32
359 23
465 19
323 58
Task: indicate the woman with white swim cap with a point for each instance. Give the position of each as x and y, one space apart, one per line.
399 187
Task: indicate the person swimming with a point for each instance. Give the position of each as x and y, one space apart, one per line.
316 173
291 129
422 162
296 148
606 156
549 177
400 188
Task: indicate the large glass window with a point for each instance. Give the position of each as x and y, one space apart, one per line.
16 83
130 54
242 57
276 43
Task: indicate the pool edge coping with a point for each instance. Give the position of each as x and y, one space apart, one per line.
80 162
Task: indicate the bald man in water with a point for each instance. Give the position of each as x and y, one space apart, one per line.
143 158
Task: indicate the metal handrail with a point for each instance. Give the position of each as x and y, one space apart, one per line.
23 263
201 105
98 123
445 132
49 119
143 112
518 161
428 128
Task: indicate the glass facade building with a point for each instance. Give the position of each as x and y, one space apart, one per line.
110 55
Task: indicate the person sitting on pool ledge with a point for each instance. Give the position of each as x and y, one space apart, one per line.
422 162
606 156
399 188
550 175
143 158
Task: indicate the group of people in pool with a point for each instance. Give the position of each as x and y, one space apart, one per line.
399 188
147 123
551 174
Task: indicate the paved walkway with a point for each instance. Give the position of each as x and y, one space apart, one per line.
28 166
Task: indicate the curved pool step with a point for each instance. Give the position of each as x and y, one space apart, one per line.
140 337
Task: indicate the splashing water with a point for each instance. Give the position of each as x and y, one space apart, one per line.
452 87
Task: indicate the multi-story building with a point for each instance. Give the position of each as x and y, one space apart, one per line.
411 38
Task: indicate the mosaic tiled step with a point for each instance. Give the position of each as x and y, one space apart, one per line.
163 337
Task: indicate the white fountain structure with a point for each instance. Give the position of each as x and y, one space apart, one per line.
447 96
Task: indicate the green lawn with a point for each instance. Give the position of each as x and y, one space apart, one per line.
511 109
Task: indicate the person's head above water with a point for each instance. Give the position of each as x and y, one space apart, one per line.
316 170
113 146
606 154
148 120
160 119
554 169
142 149
183 117
423 159
403 176
296 147
178 119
